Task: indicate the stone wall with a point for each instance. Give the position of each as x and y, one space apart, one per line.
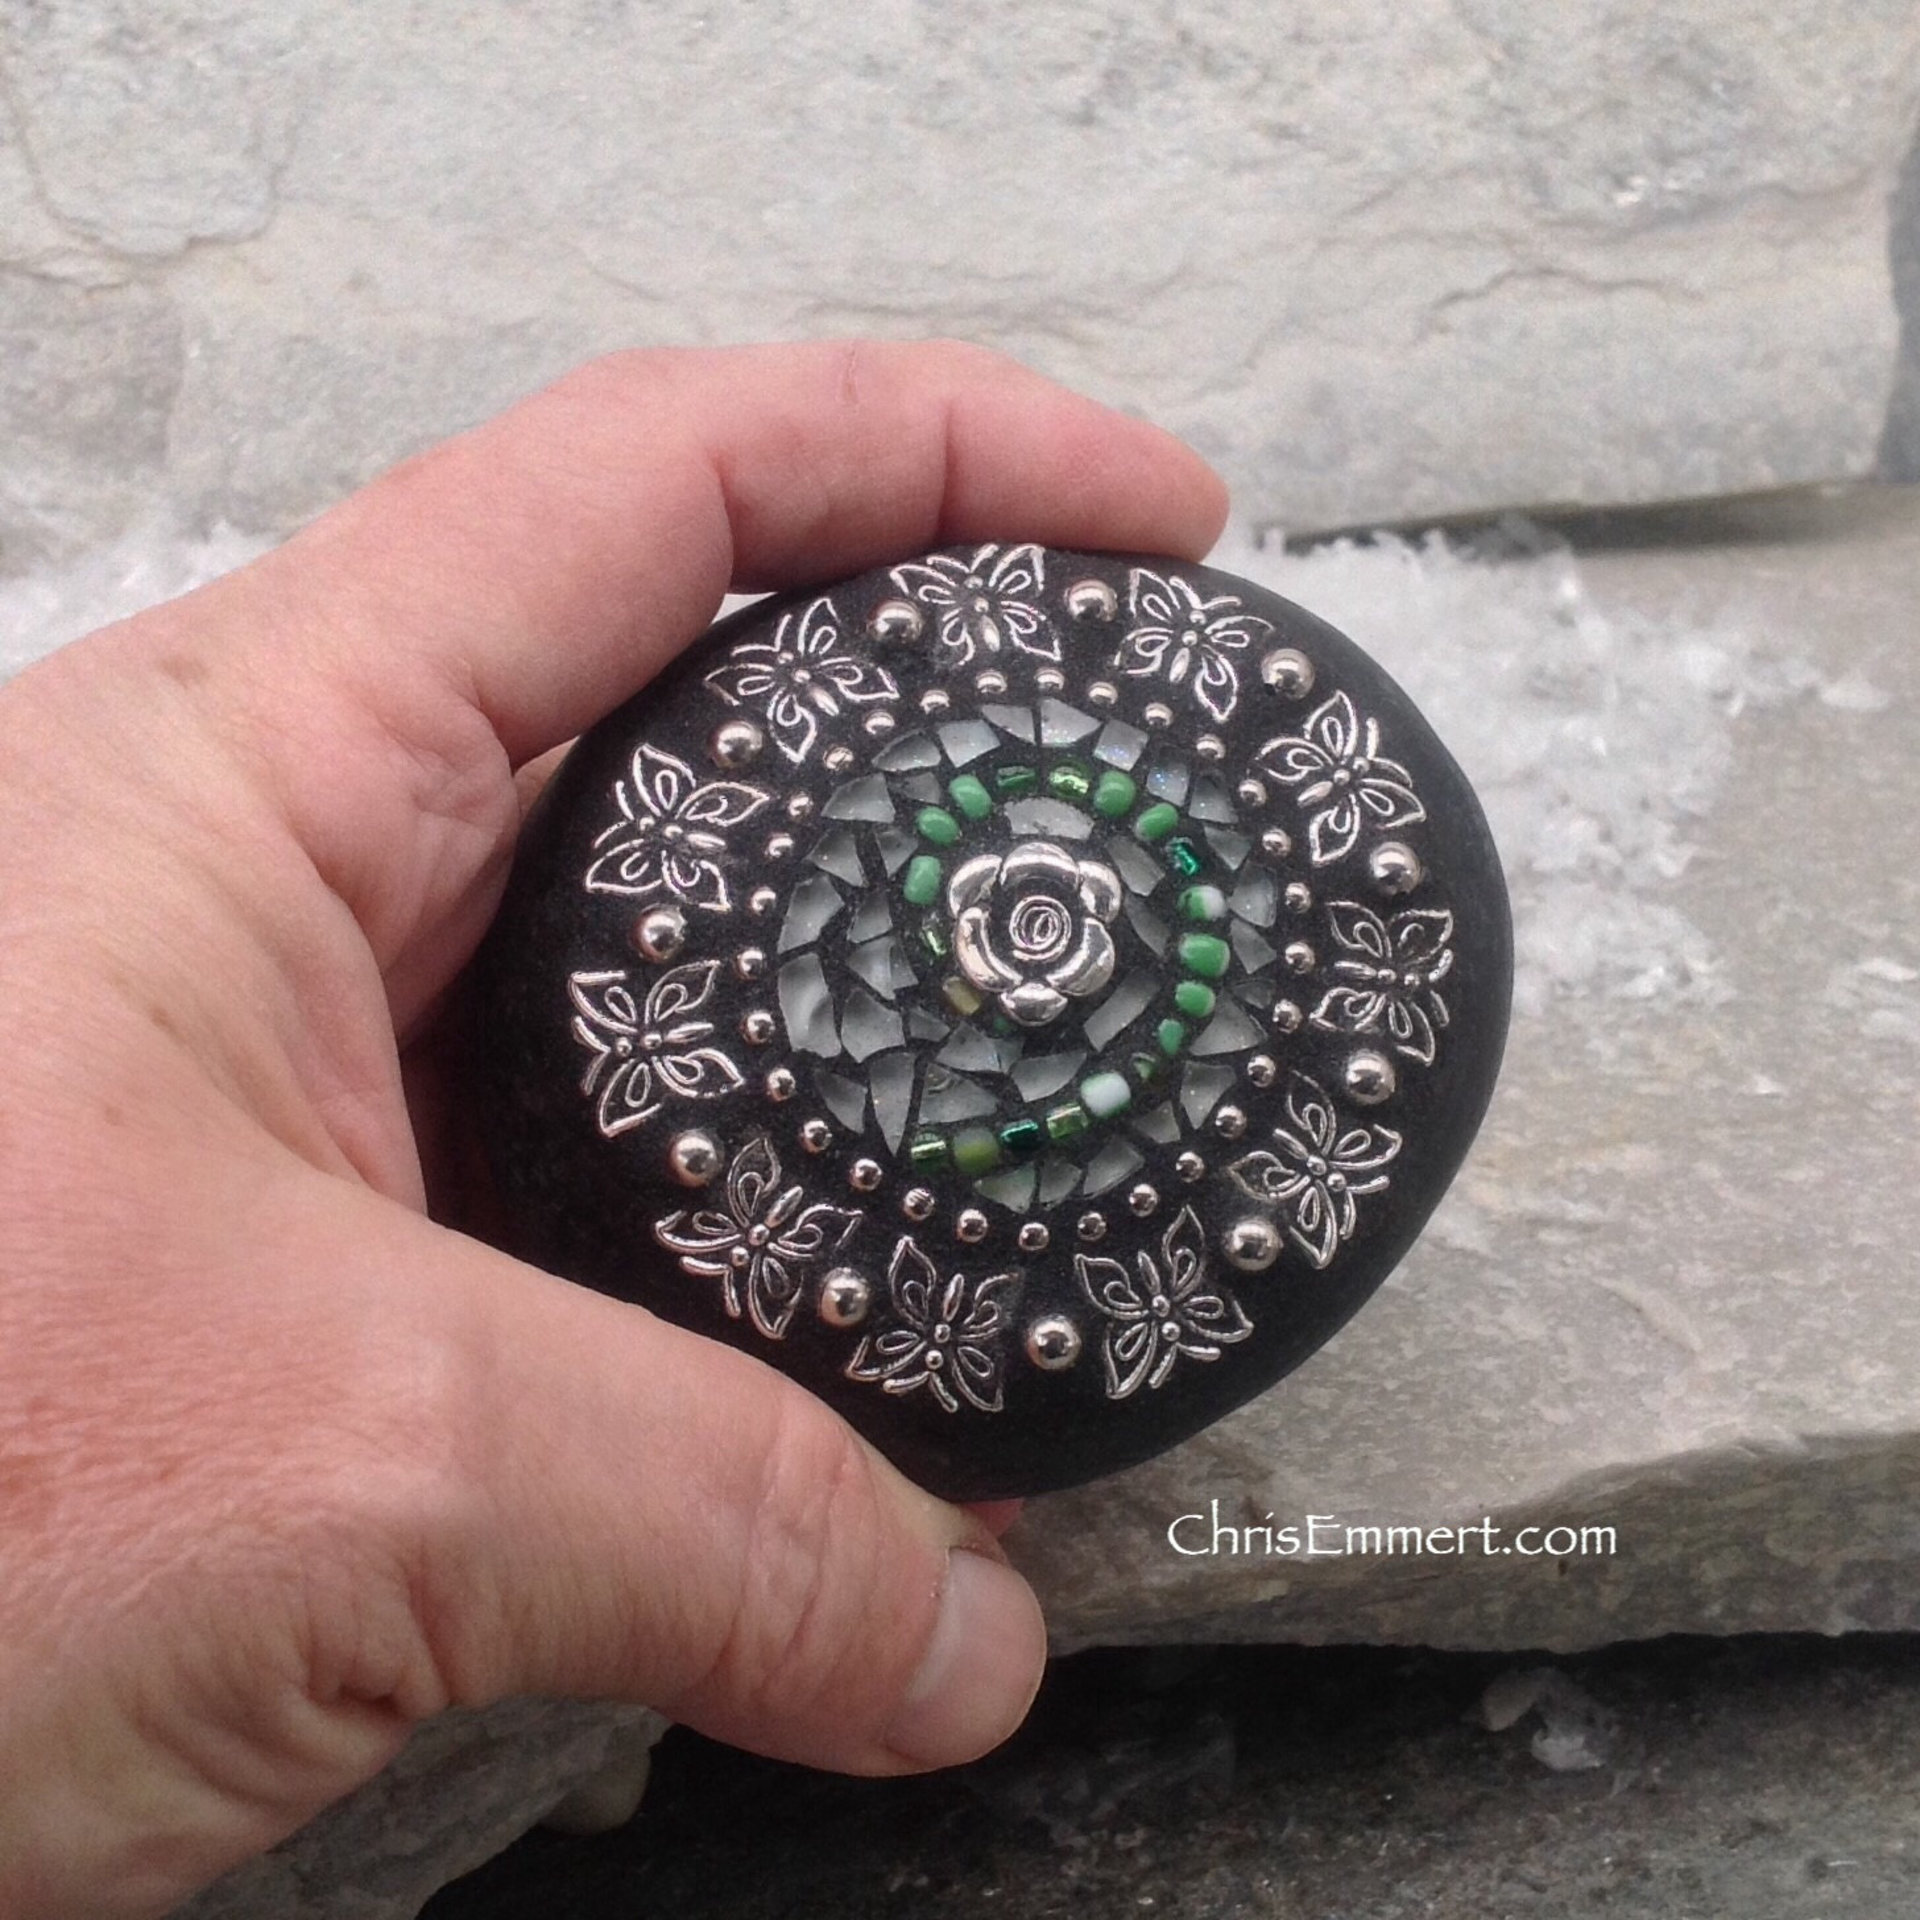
1379 258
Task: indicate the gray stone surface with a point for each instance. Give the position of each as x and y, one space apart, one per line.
1381 260
1674 1291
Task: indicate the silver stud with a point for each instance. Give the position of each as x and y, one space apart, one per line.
750 963
1251 793
895 622
1033 1237
756 1026
1288 672
1230 1123
781 1085
1092 600
1299 956
1210 747
1158 714
917 1203
971 1225
659 933
1143 1199
815 1135
864 1175
779 845
1263 1069
1092 1226
1102 693
735 743
845 1297
1050 680
879 724
800 807
1395 867
1287 1016
1276 841
694 1158
762 900
1252 1244
935 700
1298 896
838 759
1190 1166
1369 1077
991 682
1053 1342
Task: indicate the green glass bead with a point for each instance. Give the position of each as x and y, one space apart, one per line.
1021 1136
927 1151
938 825
1194 998
1068 1122
1070 781
975 1151
1105 1094
1205 954
934 939
1146 1067
1183 857
1157 822
1011 782
922 884
1114 794
1172 1035
1203 903
970 796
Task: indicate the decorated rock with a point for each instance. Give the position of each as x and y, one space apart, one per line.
1030 997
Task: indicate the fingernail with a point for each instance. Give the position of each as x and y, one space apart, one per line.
981 1670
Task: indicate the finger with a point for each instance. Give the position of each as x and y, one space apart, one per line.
551 560
629 1510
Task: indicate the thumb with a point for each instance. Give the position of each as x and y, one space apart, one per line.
620 1508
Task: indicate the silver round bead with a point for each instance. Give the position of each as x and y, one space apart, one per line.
864 1175
1050 680
1158 714
800 807
815 1135
1052 1342
878 725
1369 1077
1252 1244
896 622
1092 600
1395 868
757 1026
735 743
781 1085
992 682
1102 693
1189 1166
1298 896
1143 1199
659 933
1092 1226
1033 1237
970 1226
1230 1123
1287 1016
779 845
694 1158
750 963
1251 793
838 759
762 900
1288 672
1276 841
845 1297
1299 956
935 700
1210 747
917 1203
1263 1069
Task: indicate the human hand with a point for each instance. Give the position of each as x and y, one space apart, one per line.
286 1464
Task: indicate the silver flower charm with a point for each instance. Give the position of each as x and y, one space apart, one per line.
1337 765
984 603
1318 1170
948 1339
763 1246
1390 974
671 826
643 1053
1030 927
800 675
1189 640
1163 1313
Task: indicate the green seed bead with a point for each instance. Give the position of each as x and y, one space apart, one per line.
938 825
922 885
1146 1067
1070 781
1021 1137
1203 903
1068 1122
927 1151
1183 857
1172 1035
1157 822
975 1151
1011 782
1205 954
970 796
1114 794
1194 999
1105 1094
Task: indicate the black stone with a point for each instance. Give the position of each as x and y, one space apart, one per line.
889 1029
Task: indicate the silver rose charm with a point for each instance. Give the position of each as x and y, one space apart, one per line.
1030 927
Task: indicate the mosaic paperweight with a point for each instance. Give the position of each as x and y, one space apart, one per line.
1032 998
